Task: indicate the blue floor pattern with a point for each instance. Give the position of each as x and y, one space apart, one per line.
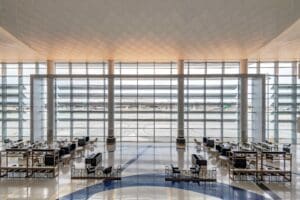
268 191
219 190
129 162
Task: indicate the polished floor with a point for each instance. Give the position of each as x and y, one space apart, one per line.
143 166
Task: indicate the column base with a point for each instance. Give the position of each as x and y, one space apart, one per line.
111 140
111 147
180 143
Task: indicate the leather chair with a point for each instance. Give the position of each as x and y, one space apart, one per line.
107 171
90 170
175 170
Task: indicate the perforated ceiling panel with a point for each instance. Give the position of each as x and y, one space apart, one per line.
146 29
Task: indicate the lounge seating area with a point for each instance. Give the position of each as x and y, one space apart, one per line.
260 161
98 172
19 159
193 174
256 166
29 163
92 168
197 172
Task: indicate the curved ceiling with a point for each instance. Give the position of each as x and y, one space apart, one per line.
149 30
284 47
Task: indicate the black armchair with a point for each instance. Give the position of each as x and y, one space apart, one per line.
90 170
195 170
107 171
6 141
81 142
287 148
175 170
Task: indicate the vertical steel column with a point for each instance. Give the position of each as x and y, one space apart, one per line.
137 102
204 100
33 106
31 110
154 131
244 101
38 71
258 68
36 109
263 108
180 158
121 101
20 100
180 105
4 106
87 100
222 102
258 109
111 136
50 102
294 102
187 88
71 102
276 117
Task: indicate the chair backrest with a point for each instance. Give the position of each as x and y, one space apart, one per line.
6 141
107 170
197 168
90 169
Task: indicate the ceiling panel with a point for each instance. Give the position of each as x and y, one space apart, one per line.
147 30
11 49
284 47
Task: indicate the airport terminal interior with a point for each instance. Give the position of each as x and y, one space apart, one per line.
155 99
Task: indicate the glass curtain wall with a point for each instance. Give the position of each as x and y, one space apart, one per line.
15 98
145 102
81 102
281 99
211 102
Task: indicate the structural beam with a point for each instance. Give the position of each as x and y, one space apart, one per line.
244 101
50 102
180 105
111 136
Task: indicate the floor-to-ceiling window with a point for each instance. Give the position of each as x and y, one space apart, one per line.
146 101
281 99
195 99
15 98
286 96
211 100
81 100
230 102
